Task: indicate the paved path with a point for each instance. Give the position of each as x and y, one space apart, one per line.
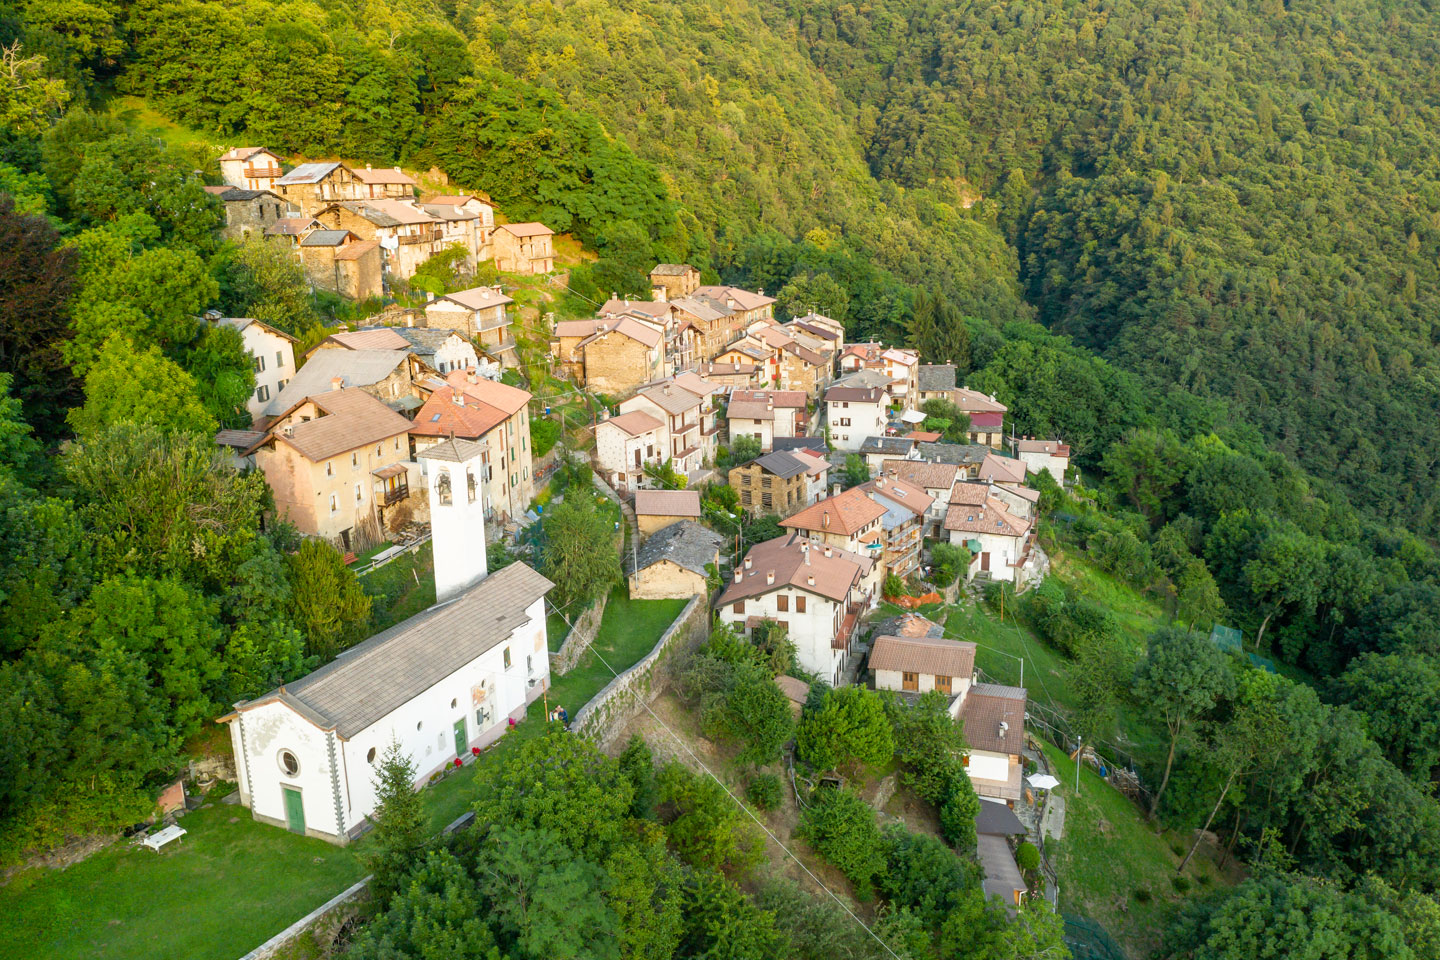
1052 825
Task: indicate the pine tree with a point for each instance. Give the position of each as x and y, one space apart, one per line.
400 828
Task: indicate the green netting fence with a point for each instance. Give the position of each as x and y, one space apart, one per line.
1088 940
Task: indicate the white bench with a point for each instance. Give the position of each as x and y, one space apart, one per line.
157 840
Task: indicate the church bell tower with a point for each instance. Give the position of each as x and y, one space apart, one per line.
456 472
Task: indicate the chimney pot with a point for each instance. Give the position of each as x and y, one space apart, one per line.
337 383
739 576
810 580
769 577
748 563
827 550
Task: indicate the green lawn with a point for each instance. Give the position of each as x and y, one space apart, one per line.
1109 853
228 886
137 114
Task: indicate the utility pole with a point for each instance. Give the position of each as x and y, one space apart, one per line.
1079 746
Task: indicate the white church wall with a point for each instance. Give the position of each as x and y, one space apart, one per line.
267 731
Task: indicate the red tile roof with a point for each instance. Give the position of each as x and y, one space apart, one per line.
830 572
844 514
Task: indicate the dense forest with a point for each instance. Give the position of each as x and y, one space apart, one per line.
1200 243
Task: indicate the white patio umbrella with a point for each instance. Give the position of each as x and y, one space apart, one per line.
1043 781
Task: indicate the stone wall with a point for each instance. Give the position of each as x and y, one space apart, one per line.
581 635
602 719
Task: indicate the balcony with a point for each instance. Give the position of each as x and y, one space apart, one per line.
261 173
396 494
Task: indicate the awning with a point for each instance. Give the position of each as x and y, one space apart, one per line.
385 473
912 416
973 546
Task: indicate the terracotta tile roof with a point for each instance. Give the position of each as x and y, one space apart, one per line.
697 384
972 401
388 212
669 397
772 336
667 503
354 251
1024 493
650 308
702 308
795 690
934 656
635 423
379 338
905 357
531 229
986 707
478 298
625 327
218 191
1002 469
855 394
353 419
1053 447
923 436
843 514
902 493
991 518
834 576
500 395
727 369
382 175
749 410
453 199
242 153
441 416
969 494
781 398
575 328
744 299
864 351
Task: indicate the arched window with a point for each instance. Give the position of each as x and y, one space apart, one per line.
442 487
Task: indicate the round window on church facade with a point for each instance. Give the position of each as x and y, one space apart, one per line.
289 762
370 757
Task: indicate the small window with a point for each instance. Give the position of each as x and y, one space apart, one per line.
262 393
289 763
355 458
334 503
454 703
419 724
799 604
359 497
379 450
507 658
259 364
279 359
329 468
739 607
782 603
370 757
397 443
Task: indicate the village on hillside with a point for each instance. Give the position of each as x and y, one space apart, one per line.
885 479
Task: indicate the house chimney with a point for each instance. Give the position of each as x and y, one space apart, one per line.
827 550
835 489
748 563
1004 727
769 577
739 575
367 166
805 552
810 580
457 398
659 293
337 383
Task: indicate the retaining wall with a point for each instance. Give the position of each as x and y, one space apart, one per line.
581 635
602 719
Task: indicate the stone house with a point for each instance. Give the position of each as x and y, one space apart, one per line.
899 366
966 457
408 236
313 186
672 281
250 168
906 509
565 355
816 591
624 444
767 415
289 231
671 562
250 212
821 334
524 248
343 263
394 377
853 414
481 313
443 350
778 482
737 375
329 460
746 307
447 681
459 228
936 381
1023 502
748 351
621 355
1007 470
657 509
682 334
379 183
802 369
987 416
495 417
715 323
1047 456
469 209
272 353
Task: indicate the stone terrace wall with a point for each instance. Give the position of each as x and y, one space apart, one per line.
602 719
581 635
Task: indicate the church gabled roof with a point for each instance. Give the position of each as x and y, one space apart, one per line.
368 681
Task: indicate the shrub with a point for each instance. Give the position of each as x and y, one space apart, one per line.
765 791
841 828
850 726
894 586
1141 895
752 712
221 789
704 827
1027 857
922 874
957 814
950 562
1181 884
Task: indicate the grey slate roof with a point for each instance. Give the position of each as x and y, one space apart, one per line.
937 376
960 454
685 544
370 680
896 446
796 443
358 368
324 238
309 173
782 464
998 820
454 450
670 269
425 340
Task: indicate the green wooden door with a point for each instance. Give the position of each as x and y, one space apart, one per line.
294 810
462 742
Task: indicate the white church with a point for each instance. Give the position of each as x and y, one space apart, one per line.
440 683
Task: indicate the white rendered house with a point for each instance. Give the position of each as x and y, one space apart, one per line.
272 353
439 684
